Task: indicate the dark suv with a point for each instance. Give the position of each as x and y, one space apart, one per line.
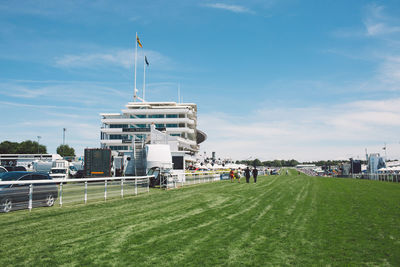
16 196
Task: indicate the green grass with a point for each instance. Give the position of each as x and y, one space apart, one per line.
281 220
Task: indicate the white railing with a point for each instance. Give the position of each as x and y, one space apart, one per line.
387 177
26 194
190 178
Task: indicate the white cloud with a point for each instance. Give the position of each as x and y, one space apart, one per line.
378 23
232 8
389 71
123 58
312 133
384 29
84 94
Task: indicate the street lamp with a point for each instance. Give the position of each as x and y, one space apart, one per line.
38 138
64 130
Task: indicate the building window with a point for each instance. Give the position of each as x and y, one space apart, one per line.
119 126
156 116
115 136
140 125
160 126
119 137
141 116
172 125
175 135
172 115
118 147
141 136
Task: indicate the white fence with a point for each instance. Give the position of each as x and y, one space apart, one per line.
31 193
189 178
387 177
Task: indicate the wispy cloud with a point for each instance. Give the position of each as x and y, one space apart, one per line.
377 22
232 8
308 133
84 94
384 29
389 71
123 58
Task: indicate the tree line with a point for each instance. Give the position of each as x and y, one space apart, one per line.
25 147
290 163
269 163
32 147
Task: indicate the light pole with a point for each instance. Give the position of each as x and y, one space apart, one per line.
38 138
64 130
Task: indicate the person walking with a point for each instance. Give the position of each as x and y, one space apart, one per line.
237 175
255 173
247 174
231 175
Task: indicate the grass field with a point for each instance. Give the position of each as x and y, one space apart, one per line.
281 220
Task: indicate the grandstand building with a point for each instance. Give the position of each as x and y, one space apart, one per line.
178 122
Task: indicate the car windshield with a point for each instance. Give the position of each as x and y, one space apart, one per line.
73 168
58 171
11 176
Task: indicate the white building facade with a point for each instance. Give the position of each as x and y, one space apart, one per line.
178 122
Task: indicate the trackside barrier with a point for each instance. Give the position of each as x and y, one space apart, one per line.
31 193
190 178
386 177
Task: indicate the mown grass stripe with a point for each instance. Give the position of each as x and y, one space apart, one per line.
282 220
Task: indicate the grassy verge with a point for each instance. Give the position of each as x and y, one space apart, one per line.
281 220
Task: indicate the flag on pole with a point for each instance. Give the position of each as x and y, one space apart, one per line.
138 41
145 60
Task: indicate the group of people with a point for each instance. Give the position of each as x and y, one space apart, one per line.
247 173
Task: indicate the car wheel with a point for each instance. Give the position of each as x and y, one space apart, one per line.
49 200
6 205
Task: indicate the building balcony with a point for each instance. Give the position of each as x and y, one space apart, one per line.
179 130
148 121
157 111
113 142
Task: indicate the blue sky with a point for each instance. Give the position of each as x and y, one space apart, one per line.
272 79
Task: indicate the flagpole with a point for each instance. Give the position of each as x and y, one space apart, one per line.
134 90
179 93
144 77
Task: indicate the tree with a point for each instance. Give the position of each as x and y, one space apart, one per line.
256 163
8 147
277 163
31 147
25 147
65 151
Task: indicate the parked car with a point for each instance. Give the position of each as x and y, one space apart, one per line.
16 196
274 172
15 168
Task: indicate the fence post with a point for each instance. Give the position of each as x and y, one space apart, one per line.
85 192
148 184
61 194
30 197
135 186
105 190
122 188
